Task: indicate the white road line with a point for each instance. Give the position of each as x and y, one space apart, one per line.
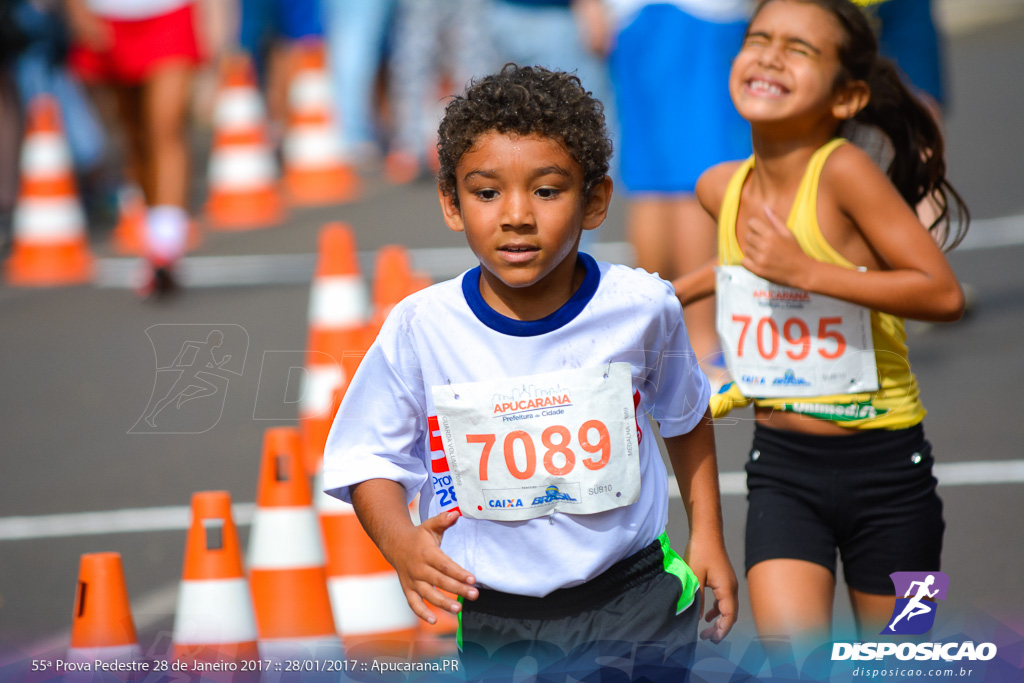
439 263
131 520
992 233
291 269
980 472
175 518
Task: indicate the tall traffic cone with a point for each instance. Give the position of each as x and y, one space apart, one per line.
214 619
243 175
337 317
393 280
286 558
50 245
314 170
102 626
370 609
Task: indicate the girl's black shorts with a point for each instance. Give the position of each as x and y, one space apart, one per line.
871 495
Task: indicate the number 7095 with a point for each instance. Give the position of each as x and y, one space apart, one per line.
795 331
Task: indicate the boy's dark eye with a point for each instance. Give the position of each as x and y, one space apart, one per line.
547 193
486 195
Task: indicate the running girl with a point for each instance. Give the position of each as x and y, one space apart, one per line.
839 459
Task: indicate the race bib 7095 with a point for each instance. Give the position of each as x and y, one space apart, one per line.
784 342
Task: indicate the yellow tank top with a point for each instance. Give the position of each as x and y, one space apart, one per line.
896 404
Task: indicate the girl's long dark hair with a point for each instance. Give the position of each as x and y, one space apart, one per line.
918 167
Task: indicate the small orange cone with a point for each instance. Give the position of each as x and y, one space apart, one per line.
393 280
314 170
243 175
370 609
214 620
50 244
286 558
129 236
102 626
338 306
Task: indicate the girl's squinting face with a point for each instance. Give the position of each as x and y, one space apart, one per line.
787 66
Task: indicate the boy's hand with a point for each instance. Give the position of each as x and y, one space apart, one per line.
423 568
713 569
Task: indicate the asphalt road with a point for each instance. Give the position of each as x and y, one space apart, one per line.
78 371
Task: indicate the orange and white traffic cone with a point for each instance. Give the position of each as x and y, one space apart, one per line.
214 619
315 171
49 241
243 174
129 235
393 280
370 609
102 626
338 307
286 558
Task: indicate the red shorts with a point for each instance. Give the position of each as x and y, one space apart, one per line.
138 48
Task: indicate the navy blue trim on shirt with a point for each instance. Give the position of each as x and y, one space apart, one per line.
531 328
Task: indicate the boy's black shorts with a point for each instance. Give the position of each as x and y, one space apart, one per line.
626 617
871 495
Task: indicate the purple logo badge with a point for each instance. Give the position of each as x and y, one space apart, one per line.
915 610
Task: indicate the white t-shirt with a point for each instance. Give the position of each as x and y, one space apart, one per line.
130 10
719 11
387 426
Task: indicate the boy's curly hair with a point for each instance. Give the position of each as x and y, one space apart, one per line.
526 100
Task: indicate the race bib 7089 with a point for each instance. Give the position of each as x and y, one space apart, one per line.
522 447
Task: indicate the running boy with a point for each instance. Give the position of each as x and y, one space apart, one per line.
515 399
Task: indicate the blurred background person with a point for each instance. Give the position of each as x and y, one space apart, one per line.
40 68
907 35
12 41
145 51
356 33
270 32
437 47
670 66
559 35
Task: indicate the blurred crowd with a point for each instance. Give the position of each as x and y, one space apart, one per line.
134 78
